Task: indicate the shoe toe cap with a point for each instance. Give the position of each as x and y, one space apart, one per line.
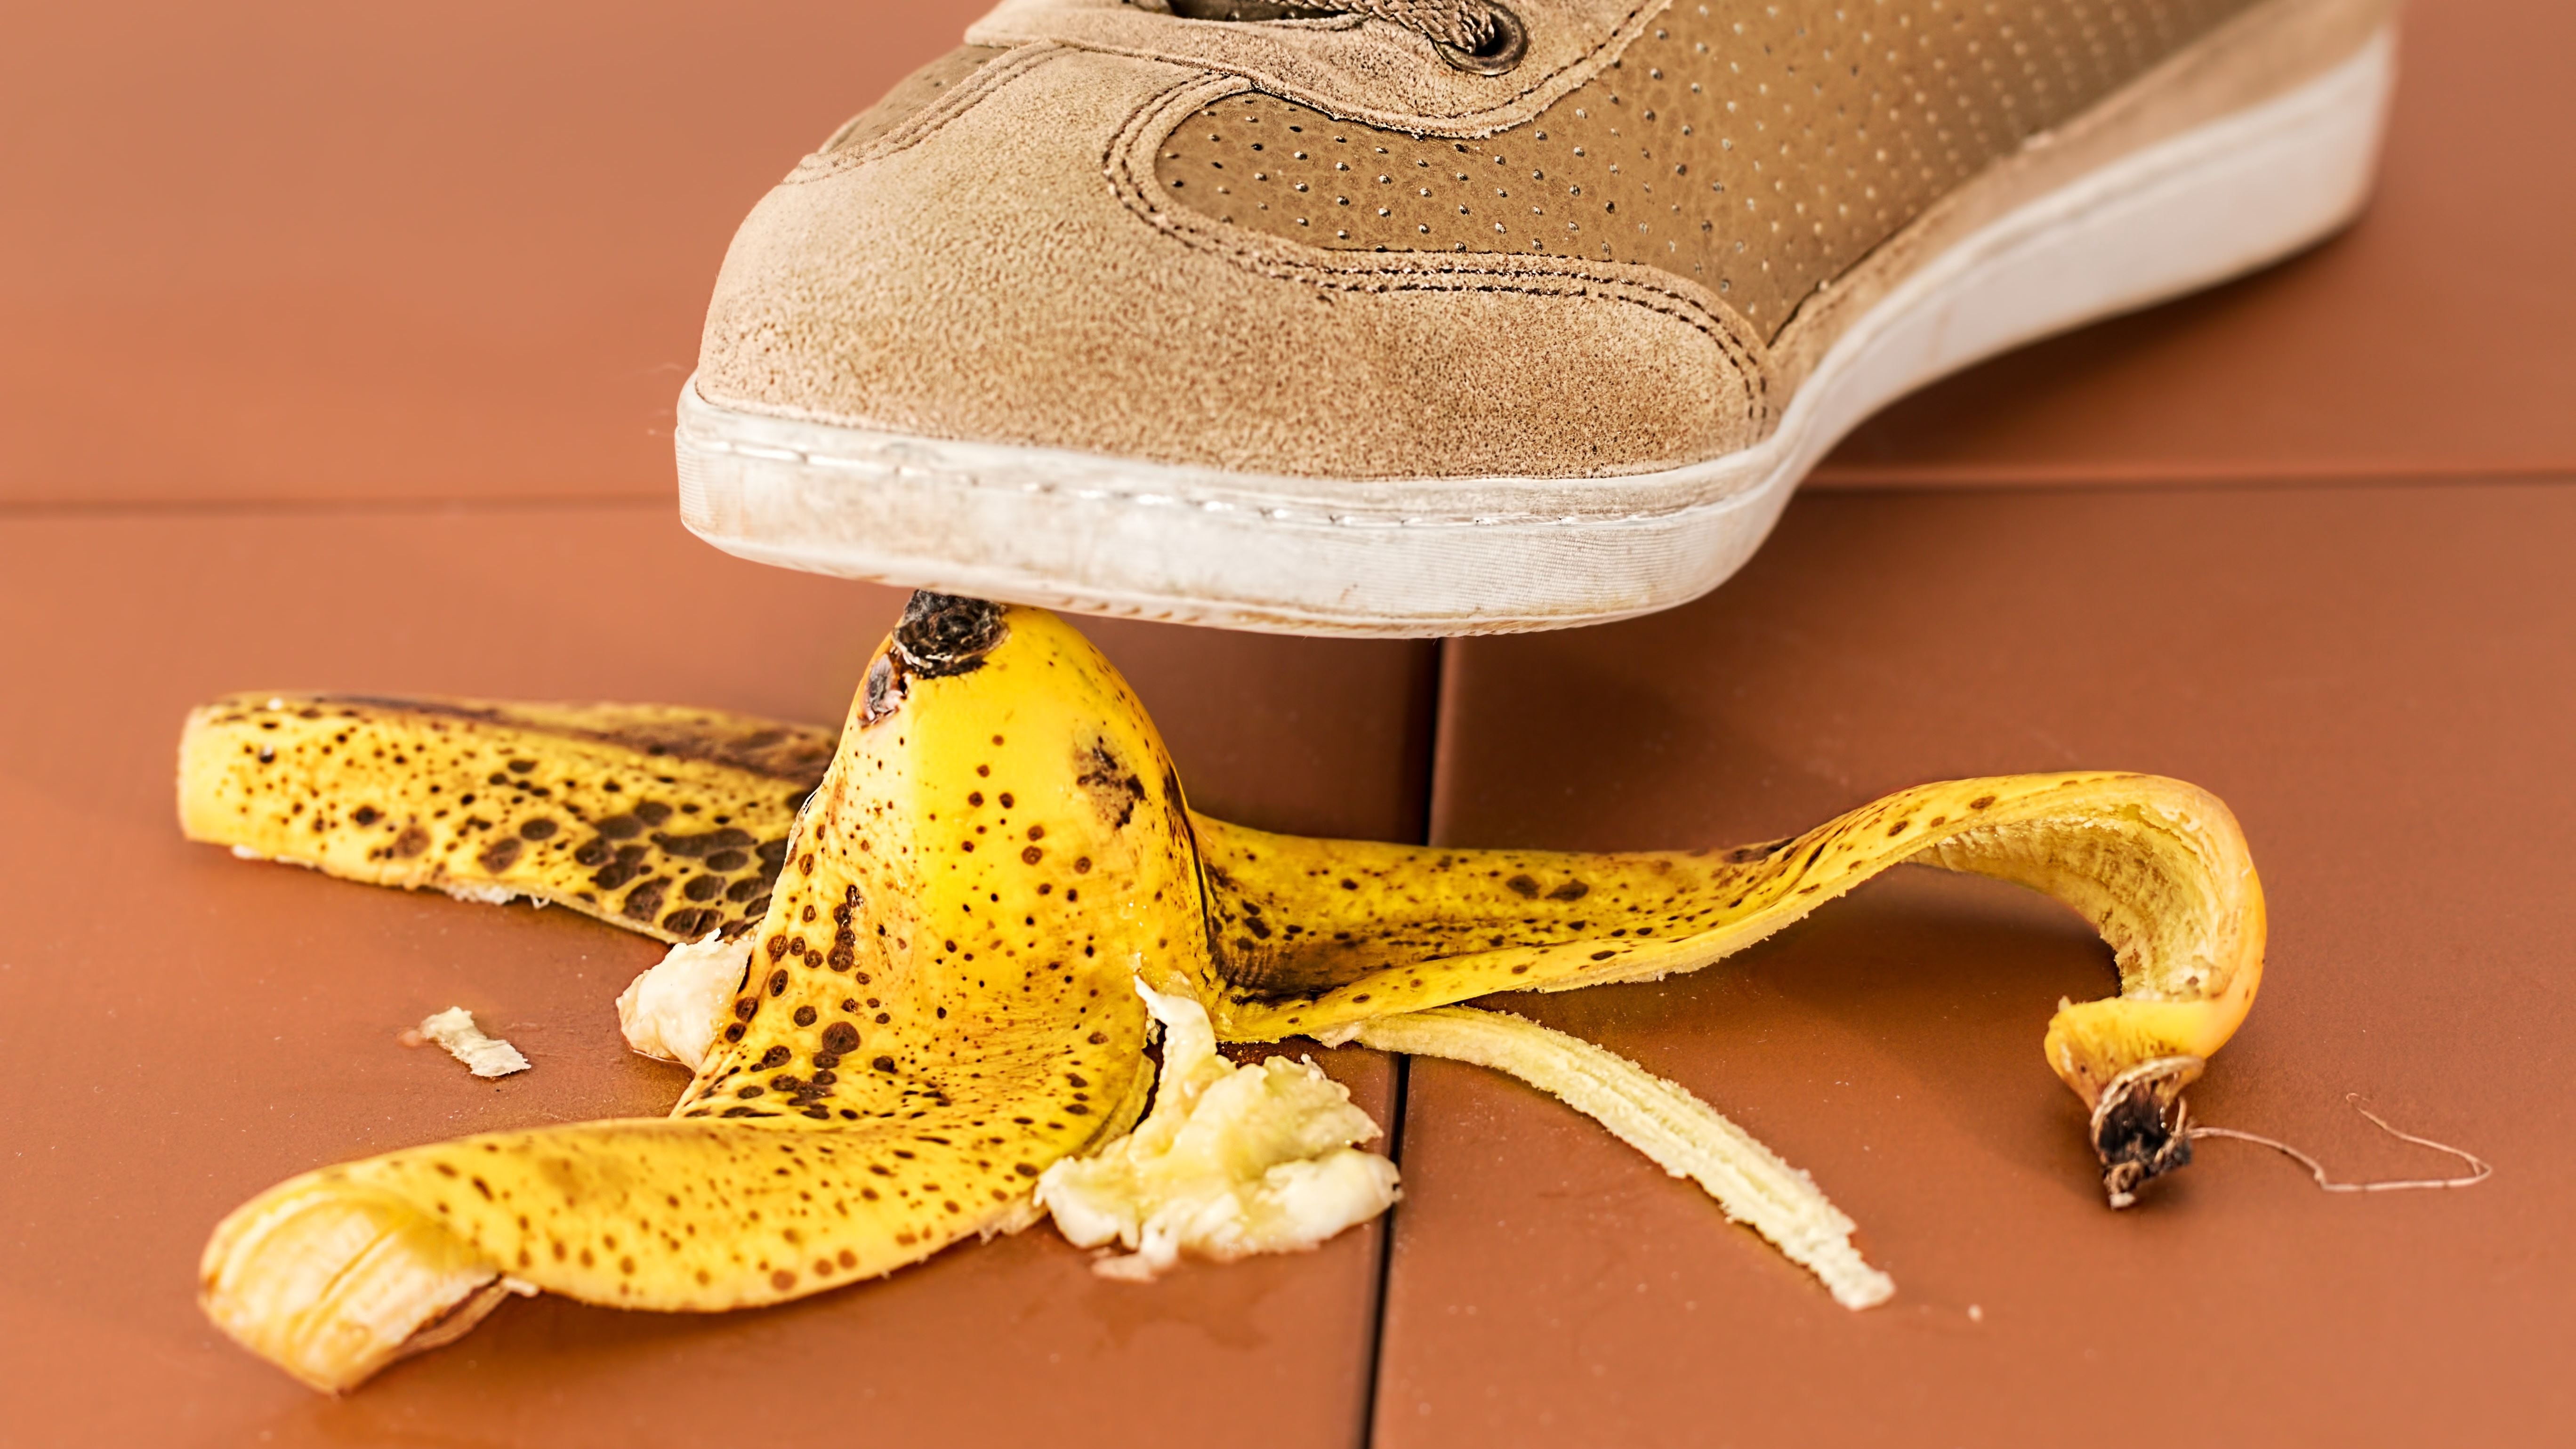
995 265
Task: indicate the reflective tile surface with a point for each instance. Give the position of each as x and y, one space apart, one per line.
2377 680
185 1029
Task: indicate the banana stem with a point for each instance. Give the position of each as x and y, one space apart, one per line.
1682 1134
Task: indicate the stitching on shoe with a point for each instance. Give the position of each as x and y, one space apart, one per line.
1490 118
989 77
1373 272
961 476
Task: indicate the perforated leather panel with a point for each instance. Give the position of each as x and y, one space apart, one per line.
1759 149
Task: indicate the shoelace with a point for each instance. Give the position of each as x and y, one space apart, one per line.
1474 35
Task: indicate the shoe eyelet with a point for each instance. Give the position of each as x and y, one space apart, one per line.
1506 41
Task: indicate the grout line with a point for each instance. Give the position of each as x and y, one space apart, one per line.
1861 480
324 507
1385 1252
1399 1097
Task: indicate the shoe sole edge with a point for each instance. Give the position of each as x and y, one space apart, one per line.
1096 534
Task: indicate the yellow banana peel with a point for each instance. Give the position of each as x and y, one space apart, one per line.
672 822
943 932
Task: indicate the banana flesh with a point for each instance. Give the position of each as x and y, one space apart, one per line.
331 1282
675 1010
938 1001
1231 1161
672 822
1680 1133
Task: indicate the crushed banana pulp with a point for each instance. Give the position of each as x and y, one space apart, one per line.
1231 1161
673 1011
484 1056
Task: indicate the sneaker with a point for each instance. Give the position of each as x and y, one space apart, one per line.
1460 316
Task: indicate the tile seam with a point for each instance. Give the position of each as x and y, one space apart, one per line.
1400 1093
320 508
2039 481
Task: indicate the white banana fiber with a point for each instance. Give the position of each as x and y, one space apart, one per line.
483 1055
1684 1135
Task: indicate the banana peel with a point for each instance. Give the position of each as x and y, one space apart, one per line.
671 822
939 996
1318 936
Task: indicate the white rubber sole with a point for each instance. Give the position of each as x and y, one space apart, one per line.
1104 535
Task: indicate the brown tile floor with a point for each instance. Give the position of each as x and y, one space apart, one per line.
289 249
185 1029
2377 679
271 276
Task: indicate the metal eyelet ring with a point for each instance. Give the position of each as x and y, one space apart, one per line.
1506 41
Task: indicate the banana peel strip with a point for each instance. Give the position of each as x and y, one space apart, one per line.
667 821
938 1005
1682 1134
2159 867
941 937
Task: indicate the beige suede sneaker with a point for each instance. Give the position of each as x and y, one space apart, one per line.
1459 316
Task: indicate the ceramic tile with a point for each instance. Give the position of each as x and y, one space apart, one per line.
283 249
2376 679
186 1028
